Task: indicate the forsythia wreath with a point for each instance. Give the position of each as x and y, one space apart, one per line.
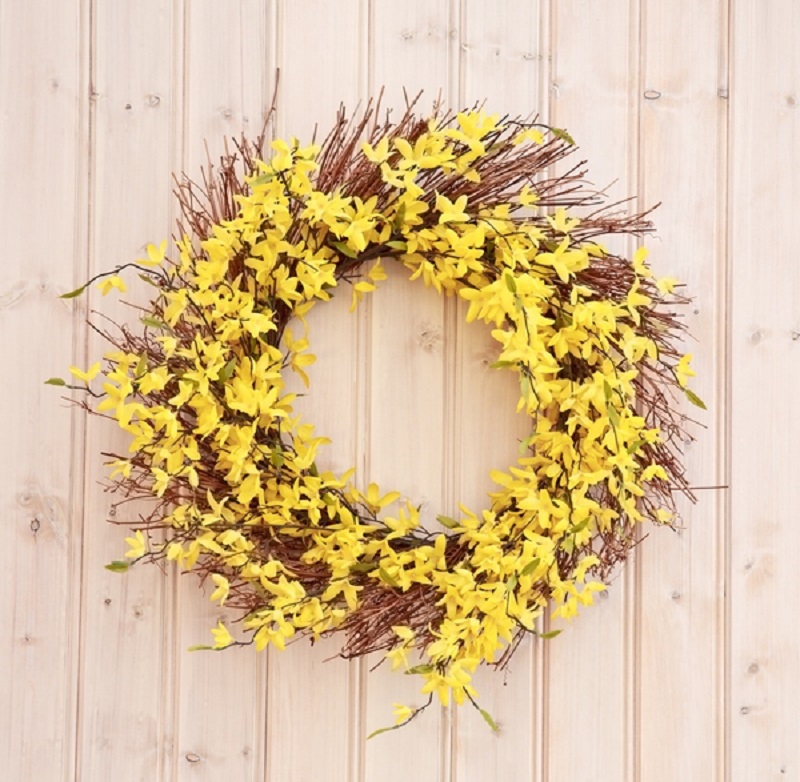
472 206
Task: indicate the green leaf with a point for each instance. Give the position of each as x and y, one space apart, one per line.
395 245
550 634
563 135
141 367
694 399
511 584
635 446
262 180
379 731
201 648
385 577
362 567
446 521
226 373
489 720
511 283
531 566
73 294
613 416
149 280
118 566
276 458
154 323
345 249
419 669
580 527
55 381
502 364
607 389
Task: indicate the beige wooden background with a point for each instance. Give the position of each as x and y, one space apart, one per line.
689 670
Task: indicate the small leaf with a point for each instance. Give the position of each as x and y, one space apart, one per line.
550 634
345 249
530 567
262 180
511 283
141 367
149 280
613 416
201 648
419 669
580 527
502 364
117 566
563 135
388 579
73 294
362 567
276 458
511 584
55 381
154 323
488 719
379 731
635 446
447 521
694 399
395 245
226 373
607 389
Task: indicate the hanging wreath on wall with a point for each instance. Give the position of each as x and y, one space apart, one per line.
471 206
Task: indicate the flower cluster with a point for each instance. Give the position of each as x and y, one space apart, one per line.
466 204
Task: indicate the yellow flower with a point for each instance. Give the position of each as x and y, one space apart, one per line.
222 590
667 285
452 212
137 544
88 375
402 713
222 637
155 255
112 282
683 371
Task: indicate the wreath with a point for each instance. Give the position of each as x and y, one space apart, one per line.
473 206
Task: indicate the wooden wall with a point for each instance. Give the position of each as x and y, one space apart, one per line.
687 671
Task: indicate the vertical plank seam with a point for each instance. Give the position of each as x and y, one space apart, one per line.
632 604
88 28
451 484
276 17
722 643
263 721
547 38
170 679
357 670
363 415
79 430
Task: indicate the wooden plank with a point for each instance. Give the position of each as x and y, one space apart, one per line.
502 61
412 49
43 168
313 88
409 446
503 56
765 491
221 697
124 646
589 667
683 165
314 701
409 453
